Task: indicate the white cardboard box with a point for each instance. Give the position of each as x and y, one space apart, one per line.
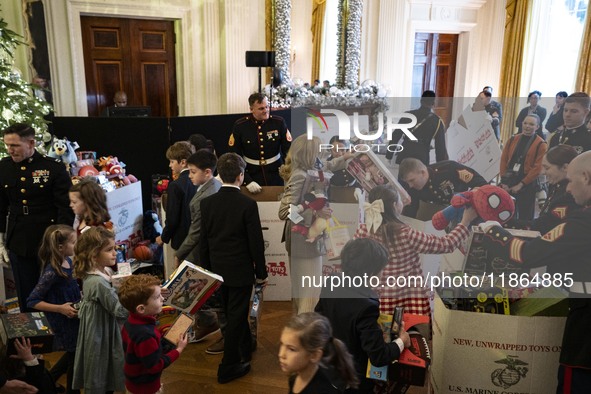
494 354
125 207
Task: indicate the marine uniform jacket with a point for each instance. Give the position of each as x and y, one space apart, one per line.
261 141
429 127
34 195
446 178
557 206
564 249
579 138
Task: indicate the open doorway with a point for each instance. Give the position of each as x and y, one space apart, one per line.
434 68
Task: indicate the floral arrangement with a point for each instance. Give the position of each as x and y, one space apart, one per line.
283 37
298 95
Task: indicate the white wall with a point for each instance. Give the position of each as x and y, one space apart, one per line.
389 30
212 36
211 40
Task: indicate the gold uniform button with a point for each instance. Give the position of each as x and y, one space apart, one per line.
23 179
25 202
41 186
23 191
259 127
262 146
23 168
262 152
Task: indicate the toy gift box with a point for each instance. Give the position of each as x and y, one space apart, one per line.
413 363
33 326
190 286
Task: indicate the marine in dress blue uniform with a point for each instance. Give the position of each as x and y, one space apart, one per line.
565 250
446 178
33 195
263 141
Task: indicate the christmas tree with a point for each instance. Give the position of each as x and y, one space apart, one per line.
18 104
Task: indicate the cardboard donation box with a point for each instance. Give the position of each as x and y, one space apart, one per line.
33 326
125 207
490 353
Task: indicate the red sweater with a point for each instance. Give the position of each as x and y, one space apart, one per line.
144 360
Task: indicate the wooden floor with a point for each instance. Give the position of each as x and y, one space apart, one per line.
196 371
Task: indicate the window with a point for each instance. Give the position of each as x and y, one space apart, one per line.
552 48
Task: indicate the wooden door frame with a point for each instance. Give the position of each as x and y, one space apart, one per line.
462 29
184 59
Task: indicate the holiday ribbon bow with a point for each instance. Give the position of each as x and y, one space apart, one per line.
373 214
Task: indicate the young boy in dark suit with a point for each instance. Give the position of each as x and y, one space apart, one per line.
179 195
353 311
231 245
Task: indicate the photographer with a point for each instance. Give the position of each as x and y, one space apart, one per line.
521 163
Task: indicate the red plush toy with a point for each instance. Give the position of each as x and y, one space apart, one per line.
490 202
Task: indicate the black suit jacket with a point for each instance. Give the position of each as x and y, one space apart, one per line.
178 216
231 241
353 314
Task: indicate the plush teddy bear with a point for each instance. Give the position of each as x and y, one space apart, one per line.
63 150
490 202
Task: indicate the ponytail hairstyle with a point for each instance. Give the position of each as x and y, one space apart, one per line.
49 252
95 201
88 247
391 222
315 333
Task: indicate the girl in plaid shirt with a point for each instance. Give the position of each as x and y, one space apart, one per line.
404 245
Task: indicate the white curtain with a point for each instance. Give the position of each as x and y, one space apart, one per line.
552 50
328 51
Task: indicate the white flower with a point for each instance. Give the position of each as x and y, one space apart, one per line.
7 114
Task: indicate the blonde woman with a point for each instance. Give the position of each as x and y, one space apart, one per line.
305 257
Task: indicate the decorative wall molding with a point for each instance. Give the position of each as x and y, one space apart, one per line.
479 24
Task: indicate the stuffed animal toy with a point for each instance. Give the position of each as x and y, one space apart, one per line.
162 185
151 226
490 202
63 150
110 165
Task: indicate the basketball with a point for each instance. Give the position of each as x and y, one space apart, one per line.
142 253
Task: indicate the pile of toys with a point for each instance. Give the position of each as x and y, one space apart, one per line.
109 171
